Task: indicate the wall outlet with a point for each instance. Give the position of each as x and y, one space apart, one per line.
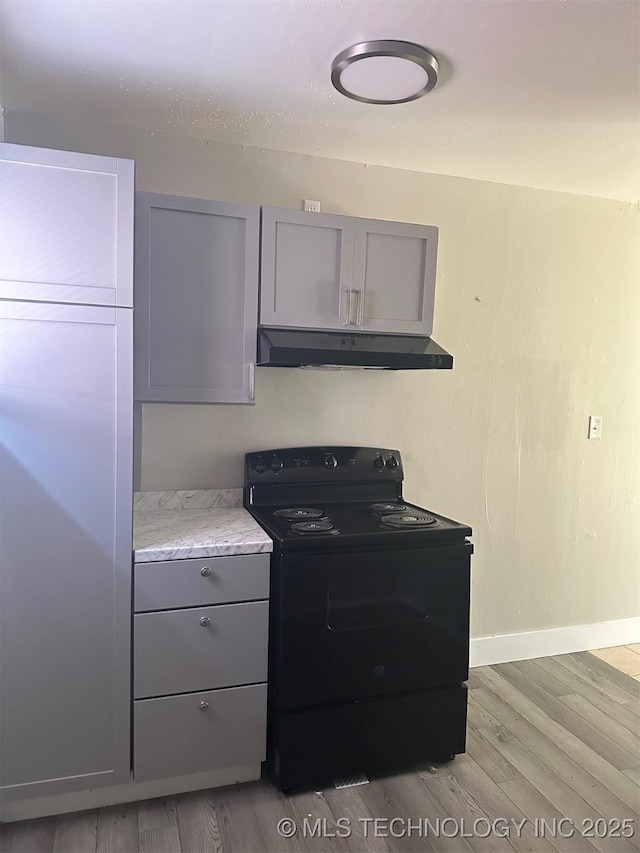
311 206
595 426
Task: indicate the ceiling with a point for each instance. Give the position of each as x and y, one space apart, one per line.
540 93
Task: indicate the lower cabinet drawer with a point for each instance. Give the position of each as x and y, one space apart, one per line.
178 735
201 648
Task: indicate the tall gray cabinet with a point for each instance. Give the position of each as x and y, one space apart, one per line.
66 398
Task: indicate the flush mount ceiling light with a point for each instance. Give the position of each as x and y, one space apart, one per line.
384 72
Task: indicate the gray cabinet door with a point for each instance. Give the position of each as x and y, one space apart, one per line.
196 299
307 261
394 276
65 546
66 221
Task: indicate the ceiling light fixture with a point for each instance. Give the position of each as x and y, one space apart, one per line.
384 72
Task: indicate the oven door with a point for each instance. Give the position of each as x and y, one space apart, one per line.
351 625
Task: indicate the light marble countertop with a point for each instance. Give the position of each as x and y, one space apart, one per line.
184 525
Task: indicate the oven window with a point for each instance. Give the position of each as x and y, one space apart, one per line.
372 602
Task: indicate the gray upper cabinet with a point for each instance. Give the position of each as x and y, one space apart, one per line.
321 271
196 299
394 276
307 266
65 227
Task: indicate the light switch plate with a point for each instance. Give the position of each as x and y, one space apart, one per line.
595 426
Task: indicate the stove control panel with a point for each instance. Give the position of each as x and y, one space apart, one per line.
322 465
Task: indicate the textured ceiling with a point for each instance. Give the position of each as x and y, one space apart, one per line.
542 93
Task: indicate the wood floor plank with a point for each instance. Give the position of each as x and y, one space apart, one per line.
549 681
566 716
497 805
538 808
626 660
347 803
594 677
622 713
608 672
76 833
625 738
118 829
473 681
562 750
382 800
156 814
405 797
477 716
634 774
198 824
557 787
475 825
165 839
317 822
28 836
248 817
492 762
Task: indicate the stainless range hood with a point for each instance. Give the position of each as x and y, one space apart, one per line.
310 348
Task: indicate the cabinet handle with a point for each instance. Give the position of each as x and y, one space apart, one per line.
204 621
203 706
252 381
350 306
360 312
205 572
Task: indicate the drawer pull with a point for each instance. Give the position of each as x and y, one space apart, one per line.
203 706
204 621
205 572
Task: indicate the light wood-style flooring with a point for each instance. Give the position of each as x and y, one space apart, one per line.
548 739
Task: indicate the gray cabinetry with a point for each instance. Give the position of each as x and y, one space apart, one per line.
322 271
66 394
394 276
198 732
178 651
196 299
197 583
66 226
200 671
307 266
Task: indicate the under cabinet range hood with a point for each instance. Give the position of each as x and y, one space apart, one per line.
311 348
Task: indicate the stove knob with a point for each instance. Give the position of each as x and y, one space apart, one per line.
379 462
260 467
392 462
330 461
276 464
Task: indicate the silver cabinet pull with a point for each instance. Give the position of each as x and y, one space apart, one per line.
204 621
203 706
252 381
205 572
349 299
360 311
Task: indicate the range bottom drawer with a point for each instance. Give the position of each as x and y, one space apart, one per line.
178 735
310 748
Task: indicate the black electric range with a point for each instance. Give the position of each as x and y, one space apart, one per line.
369 620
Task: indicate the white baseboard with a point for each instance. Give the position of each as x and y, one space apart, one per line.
554 641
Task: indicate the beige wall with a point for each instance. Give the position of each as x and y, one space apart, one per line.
537 297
